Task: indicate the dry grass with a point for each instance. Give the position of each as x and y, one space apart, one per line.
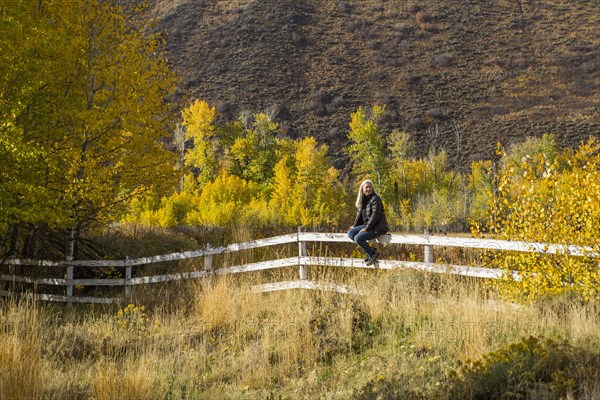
20 351
228 342
217 339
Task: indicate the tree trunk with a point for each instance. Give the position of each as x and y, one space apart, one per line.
14 241
30 244
11 253
70 244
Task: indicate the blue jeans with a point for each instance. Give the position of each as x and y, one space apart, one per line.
360 238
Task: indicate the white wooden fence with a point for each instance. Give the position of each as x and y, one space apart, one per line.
302 261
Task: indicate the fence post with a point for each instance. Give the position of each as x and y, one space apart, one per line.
428 252
128 276
12 285
301 253
208 268
70 257
70 285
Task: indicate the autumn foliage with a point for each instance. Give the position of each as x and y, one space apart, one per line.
87 137
241 173
550 197
84 117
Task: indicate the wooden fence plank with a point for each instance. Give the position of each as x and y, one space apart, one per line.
475 243
272 241
304 284
65 299
493 244
258 266
63 282
140 280
471 271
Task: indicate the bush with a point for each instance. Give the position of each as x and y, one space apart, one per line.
535 367
382 388
546 198
340 326
442 60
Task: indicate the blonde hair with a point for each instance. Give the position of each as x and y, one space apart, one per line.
361 195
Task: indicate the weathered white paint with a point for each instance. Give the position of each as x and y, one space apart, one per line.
475 272
63 282
301 253
66 299
449 241
277 240
304 284
128 276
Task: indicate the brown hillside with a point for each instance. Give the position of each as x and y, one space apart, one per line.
457 74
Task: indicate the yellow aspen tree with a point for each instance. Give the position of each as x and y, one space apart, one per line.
223 201
27 46
306 188
199 121
282 202
316 196
368 150
100 116
556 202
253 154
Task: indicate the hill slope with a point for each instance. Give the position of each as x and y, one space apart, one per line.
458 74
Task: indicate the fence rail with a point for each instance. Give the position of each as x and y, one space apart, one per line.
303 261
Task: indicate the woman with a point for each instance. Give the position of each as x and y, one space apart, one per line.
370 220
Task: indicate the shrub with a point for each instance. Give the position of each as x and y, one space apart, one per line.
340 326
222 201
436 114
550 201
132 318
535 367
384 388
297 38
344 7
318 102
442 60
422 17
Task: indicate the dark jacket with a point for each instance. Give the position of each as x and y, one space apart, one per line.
374 215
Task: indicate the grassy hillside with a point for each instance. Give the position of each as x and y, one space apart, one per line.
458 74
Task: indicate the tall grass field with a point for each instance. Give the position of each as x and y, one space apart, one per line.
412 336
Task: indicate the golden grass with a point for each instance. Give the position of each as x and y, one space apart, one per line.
20 351
229 342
